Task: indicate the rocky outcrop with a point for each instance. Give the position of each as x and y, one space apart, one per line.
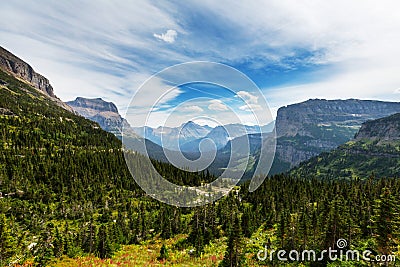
386 129
295 119
104 113
90 107
293 155
307 129
374 152
23 71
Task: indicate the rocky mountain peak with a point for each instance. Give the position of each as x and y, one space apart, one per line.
22 70
95 104
104 113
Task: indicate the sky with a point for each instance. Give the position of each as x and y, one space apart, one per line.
292 50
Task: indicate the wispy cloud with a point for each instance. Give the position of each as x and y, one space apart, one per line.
248 97
109 48
251 107
168 37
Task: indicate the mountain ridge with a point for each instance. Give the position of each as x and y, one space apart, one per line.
172 137
15 66
374 151
309 128
386 129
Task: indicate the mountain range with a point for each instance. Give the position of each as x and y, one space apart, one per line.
188 136
303 130
173 137
221 135
67 197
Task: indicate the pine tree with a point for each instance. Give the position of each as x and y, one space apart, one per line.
58 244
196 236
7 245
163 253
104 248
386 221
234 253
89 237
44 251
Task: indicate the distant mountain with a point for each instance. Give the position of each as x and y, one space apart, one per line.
18 68
307 129
189 135
103 112
269 127
374 151
220 136
172 137
107 116
239 153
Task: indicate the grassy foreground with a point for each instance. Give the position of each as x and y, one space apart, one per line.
146 254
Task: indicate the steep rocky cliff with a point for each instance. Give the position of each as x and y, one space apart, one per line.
373 152
297 118
24 71
103 112
384 129
309 128
15 66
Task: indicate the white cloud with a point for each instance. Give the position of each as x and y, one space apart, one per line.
196 109
355 84
168 37
107 48
251 107
147 102
89 49
249 98
217 105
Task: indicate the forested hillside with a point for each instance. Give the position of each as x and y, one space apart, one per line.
66 192
60 172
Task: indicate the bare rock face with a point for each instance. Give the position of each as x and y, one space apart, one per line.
91 107
386 129
24 71
295 119
104 113
309 128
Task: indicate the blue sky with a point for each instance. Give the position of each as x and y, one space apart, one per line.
293 50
